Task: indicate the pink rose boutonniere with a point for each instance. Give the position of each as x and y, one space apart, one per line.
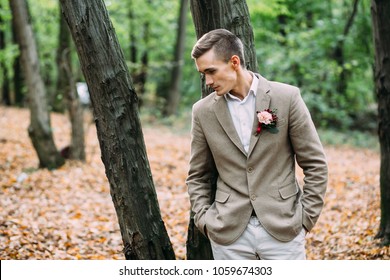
267 119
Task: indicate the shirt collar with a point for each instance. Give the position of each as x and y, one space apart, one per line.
254 85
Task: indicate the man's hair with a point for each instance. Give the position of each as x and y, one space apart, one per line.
224 43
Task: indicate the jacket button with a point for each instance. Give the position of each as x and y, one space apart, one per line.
253 197
250 169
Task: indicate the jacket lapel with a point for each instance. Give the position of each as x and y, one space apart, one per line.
223 115
262 102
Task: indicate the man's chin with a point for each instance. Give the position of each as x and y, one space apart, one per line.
220 93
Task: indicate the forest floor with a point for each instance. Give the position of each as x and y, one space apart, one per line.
68 213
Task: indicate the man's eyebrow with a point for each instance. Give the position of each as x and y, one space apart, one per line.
207 70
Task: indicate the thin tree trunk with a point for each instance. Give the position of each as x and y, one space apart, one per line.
338 52
115 108
5 86
140 65
380 11
39 130
66 86
133 41
5 96
176 74
209 15
17 95
142 76
59 95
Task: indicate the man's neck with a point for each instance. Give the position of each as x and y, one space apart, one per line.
244 81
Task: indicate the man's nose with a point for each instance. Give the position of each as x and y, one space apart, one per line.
209 81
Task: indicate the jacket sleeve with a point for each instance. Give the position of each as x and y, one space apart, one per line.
201 175
310 157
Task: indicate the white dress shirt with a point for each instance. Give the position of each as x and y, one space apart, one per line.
243 113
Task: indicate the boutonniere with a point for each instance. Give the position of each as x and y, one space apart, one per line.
267 119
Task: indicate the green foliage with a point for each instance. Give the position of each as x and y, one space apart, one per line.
7 57
295 43
153 27
353 138
45 20
10 51
267 8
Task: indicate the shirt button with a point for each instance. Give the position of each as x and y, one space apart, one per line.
250 169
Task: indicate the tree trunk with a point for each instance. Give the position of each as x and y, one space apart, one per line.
229 14
133 39
17 95
139 71
380 11
66 87
115 108
5 84
39 130
338 53
176 74
209 15
62 83
142 75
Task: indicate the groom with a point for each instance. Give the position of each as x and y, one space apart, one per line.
252 131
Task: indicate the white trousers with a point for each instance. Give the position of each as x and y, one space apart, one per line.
257 243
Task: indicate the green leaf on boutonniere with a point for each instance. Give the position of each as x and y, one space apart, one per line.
273 130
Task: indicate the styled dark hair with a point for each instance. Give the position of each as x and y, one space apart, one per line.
224 43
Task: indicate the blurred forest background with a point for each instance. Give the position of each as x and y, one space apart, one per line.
323 47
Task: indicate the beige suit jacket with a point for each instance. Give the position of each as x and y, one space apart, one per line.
263 179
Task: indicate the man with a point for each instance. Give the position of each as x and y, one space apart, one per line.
250 131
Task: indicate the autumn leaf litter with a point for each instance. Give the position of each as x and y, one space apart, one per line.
68 213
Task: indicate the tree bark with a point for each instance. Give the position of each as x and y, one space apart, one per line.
39 130
209 15
115 108
232 15
380 11
176 73
66 87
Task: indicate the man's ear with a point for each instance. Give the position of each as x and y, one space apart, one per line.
235 60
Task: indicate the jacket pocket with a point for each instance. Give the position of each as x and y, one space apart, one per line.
288 191
221 196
